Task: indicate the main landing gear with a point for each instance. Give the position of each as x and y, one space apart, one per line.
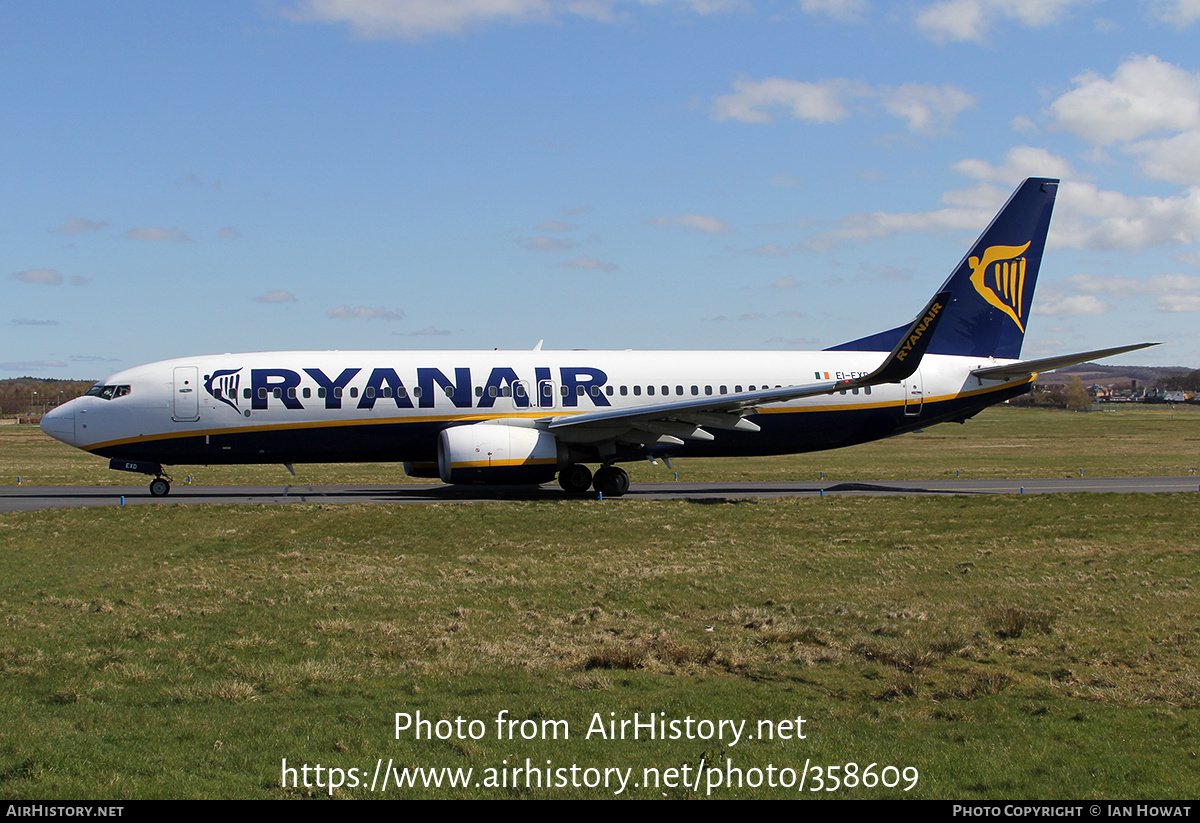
609 481
160 486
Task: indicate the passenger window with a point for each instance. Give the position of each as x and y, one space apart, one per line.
637 391
307 392
491 391
386 391
262 392
369 391
624 391
246 395
321 391
678 390
479 391
337 391
292 393
278 393
650 390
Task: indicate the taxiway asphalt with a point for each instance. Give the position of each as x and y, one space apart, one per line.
32 498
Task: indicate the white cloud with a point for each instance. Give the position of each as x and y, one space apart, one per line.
785 283
417 19
700 222
1149 109
589 263
1179 13
1085 217
953 21
229 233
1179 303
961 20
21 365
926 110
1145 96
428 331
49 277
556 225
1089 218
547 243
1020 162
1069 306
1174 159
843 11
79 225
414 19
158 234
276 296
364 313
1172 292
29 322
819 102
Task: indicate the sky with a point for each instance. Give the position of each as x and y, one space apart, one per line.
192 178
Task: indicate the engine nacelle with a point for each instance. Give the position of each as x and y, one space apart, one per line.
497 453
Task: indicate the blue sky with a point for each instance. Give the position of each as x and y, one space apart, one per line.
736 174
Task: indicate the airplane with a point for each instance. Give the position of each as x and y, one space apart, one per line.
504 417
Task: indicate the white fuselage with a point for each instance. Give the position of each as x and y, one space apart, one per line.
389 406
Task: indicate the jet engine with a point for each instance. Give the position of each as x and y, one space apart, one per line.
497 453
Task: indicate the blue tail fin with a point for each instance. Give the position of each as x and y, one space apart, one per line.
992 288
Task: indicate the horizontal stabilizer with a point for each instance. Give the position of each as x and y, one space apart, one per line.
1030 367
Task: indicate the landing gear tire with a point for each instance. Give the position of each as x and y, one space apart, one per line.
611 481
575 478
160 487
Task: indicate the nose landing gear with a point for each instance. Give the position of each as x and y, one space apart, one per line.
160 486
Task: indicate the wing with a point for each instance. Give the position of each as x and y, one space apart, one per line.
684 418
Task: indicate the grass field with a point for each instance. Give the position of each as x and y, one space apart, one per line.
1001 647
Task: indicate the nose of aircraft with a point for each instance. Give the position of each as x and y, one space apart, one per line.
59 423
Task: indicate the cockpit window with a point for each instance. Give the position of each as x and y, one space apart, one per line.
107 392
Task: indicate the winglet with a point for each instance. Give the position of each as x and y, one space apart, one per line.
906 356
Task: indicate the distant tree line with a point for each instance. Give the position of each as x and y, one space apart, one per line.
25 395
1181 382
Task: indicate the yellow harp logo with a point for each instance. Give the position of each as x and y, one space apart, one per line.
1000 279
